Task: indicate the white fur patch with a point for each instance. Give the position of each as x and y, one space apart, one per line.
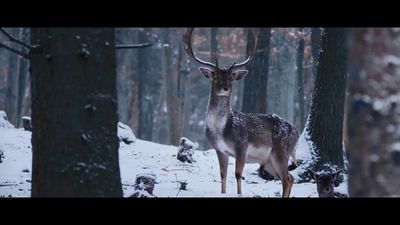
214 123
224 147
222 92
259 154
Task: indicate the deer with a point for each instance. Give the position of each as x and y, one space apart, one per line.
325 183
248 137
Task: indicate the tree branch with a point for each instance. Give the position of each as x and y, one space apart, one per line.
26 56
11 38
144 45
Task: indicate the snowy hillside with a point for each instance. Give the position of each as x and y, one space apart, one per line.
141 157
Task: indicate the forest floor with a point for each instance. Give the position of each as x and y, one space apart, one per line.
141 156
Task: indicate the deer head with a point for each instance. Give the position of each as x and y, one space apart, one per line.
221 77
325 183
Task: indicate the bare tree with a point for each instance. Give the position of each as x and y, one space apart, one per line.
255 83
22 81
11 98
300 81
146 106
74 113
374 112
325 125
171 90
281 90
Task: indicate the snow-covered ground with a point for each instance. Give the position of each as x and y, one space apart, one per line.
143 157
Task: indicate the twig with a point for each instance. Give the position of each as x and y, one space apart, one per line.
177 185
168 170
144 45
26 56
3 185
11 38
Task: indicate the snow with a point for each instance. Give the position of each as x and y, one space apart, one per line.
16 147
4 121
144 157
125 133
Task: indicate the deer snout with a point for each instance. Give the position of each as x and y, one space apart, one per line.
327 189
225 88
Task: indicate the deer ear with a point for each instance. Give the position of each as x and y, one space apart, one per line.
313 174
207 72
239 74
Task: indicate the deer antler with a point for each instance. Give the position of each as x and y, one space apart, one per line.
251 55
187 39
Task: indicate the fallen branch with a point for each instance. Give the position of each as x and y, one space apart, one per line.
177 185
144 45
4 185
168 170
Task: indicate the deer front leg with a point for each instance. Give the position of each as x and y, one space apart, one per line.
223 168
240 161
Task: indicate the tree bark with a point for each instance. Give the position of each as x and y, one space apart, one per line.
255 83
300 82
74 113
281 91
315 45
23 73
325 125
214 41
11 98
171 89
146 107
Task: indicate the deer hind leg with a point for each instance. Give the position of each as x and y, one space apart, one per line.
279 162
293 165
223 168
267 171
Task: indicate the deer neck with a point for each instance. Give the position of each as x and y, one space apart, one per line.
218 109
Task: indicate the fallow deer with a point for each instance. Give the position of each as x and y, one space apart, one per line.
325 183
248 137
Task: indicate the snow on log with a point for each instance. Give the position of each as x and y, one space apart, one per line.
125 134
186 150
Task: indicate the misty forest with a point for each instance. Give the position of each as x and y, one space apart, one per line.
199 112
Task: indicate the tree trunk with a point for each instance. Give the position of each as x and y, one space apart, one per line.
325 125
255 83
146 108
373 111
23 73
74 113
182 88
282 80
133 112
214 41
125 63
11 98
300 82
171 89
315 45
26 101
